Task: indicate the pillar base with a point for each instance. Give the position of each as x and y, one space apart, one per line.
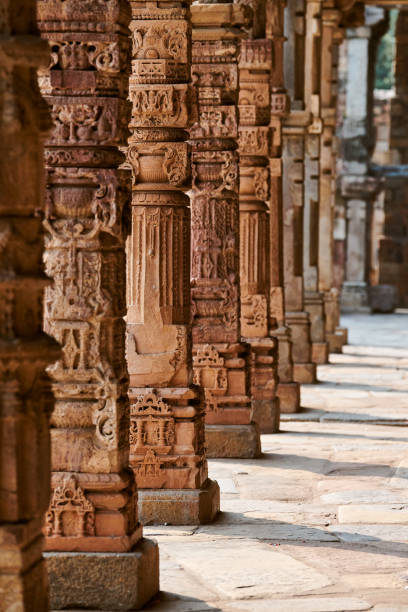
233 441
337 340
289 397
266 413
320 352
304 373
104 581
179 506
354 297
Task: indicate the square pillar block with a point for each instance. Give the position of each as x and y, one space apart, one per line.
266 413
179 506
289 397
104 581
233 441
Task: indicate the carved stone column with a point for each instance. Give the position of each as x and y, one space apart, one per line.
220 359
255 65
288 390
167 451
331 38
93 509
314 299
294 134
25 399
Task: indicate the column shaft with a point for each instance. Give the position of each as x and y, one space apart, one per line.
255 66
288 390
167 451
25 400
221 363
93 506
294 139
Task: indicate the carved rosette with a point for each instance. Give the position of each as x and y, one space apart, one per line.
166 429
85 220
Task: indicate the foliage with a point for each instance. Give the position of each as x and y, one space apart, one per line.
384 69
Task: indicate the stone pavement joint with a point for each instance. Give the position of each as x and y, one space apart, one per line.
319 523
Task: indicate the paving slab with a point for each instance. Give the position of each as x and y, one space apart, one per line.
319 523
239 569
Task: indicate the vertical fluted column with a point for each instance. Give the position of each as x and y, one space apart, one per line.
167 451
25 398
220 358
288 390
255 63
314 298
93 506
295 129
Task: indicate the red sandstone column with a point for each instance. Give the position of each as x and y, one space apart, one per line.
25 399
288 390
93 507
314 299
336 337
167 451
220 358
293 156
255 65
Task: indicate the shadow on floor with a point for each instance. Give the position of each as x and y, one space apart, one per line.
172 602
301 535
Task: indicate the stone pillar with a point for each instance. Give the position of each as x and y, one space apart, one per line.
255 65
167 451
357 187
25 399
288 389
331 37
314 298
294 135
220 359
93 509
393 255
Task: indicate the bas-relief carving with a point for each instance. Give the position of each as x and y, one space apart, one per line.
86 222
70 512
215 225
167 427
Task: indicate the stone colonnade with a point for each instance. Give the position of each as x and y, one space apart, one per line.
147 101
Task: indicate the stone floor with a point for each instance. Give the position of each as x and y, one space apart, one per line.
320 522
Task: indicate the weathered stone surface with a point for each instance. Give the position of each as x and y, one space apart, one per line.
26 401
221 361
166 414
274 31
255 66
233 441
267 414
366 513
87 199
104 581
179 506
